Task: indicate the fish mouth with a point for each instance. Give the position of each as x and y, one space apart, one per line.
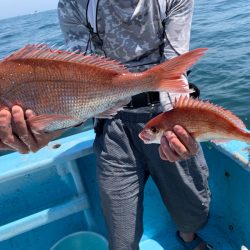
147 138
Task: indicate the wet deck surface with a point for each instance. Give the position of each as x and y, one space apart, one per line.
160 231
168 241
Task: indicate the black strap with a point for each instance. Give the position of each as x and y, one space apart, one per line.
196 93
94 36
144 100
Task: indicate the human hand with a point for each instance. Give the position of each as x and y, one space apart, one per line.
177 145
16 135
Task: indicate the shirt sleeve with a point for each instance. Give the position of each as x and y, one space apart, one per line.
176 42
72 19
177 27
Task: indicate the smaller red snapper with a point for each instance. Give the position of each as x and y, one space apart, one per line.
203 120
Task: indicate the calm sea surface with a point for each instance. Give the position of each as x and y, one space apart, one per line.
223 75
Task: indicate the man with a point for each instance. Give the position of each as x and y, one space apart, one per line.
140 34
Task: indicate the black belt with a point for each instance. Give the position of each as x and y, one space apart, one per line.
144 100
152 98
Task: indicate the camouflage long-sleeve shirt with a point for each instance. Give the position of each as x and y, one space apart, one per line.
131 31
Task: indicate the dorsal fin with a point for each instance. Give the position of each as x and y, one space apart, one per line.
42 51
186 102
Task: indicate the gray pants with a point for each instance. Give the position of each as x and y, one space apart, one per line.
124 164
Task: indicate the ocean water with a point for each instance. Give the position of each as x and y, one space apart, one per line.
223 26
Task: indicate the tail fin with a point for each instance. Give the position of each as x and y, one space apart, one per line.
168 76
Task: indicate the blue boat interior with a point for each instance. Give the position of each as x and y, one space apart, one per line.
53 193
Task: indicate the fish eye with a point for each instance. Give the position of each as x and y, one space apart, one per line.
154 130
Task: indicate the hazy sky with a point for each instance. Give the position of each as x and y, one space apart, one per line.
10 8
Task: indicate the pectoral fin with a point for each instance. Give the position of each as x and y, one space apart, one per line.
108 114
41 122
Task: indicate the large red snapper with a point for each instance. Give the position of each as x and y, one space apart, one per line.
203 120
65 88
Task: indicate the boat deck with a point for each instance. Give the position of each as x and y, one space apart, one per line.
50 194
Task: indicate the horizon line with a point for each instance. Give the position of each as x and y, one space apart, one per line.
27 14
